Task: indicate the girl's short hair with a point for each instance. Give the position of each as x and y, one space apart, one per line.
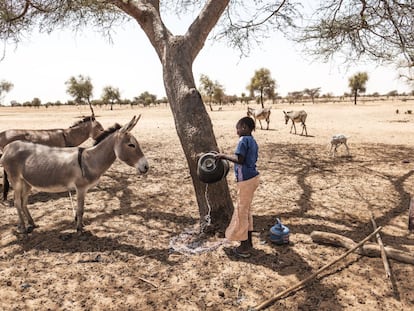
249 122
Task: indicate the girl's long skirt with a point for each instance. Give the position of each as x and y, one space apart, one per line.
242 219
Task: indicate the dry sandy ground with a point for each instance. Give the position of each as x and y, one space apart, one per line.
125 261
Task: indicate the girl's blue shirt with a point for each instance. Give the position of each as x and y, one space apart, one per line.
249 150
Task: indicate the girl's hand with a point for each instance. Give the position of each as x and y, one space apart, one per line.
220 156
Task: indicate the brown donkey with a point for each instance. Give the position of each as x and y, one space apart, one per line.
54 169
70 137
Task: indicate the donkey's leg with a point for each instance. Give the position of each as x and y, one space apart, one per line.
331 149
6 185
80 196
304 128
260 124
268 121
347 148
25 196
18 204
294 126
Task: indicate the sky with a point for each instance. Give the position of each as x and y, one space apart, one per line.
40 65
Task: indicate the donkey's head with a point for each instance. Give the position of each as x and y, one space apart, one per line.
89 125
286 117
96 128
127 148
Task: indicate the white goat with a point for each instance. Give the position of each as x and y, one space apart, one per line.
336 141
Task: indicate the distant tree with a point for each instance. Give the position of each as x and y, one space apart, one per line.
207 88
218 95
357 84
295 96
261 83
5 87
36 102
392 93
270 93
163 100
146 99
243 98
111 94
230 99
312 93
80 89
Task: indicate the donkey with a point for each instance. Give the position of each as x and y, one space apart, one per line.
70 137
260 114
336 141
296 117
54 169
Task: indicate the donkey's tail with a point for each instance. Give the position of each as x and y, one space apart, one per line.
6 185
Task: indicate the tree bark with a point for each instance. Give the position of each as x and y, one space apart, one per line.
192 122
195 131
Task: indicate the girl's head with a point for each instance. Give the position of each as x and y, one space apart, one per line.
245 126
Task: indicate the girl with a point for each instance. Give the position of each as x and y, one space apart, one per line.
247 177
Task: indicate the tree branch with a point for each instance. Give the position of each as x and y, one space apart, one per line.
201 27
147 14
23 13
251 24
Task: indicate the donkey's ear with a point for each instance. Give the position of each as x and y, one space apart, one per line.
129 126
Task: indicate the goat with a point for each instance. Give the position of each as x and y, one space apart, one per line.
336 141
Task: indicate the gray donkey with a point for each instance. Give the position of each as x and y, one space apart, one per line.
296 117
70 137
54 169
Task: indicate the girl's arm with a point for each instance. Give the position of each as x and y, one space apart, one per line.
239 159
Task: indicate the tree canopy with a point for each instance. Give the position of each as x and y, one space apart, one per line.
212 90
378 30
80 88
263 84
5 87
111 94
357 84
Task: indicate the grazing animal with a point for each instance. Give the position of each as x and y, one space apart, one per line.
70 137
260 114
296 117
54 169
338 140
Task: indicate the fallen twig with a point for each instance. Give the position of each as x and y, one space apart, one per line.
312 276
383 253
368 249
411 215
149 282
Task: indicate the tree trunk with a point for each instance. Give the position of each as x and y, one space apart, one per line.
192 122
195 132
261 98
355 96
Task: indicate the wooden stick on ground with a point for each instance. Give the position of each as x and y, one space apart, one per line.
383 253
368 249
312 276
149 282
411 215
